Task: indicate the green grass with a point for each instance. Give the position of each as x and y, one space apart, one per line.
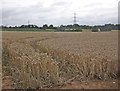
114 30
28 29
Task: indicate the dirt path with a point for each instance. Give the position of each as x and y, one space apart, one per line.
112 84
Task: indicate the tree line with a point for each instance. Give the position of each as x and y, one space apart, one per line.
45 26
74 27
95 28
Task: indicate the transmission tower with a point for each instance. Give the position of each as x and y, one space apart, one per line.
74 26
74 18
28 22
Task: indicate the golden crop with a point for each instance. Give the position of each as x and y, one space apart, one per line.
45 60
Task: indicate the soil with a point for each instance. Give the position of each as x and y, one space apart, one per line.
7 82
112 84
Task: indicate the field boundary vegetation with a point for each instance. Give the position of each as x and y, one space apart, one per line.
62 28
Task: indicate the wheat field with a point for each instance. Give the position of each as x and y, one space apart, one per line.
49 59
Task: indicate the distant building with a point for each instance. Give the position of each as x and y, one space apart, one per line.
99 30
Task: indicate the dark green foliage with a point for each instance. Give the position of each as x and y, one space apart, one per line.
45 26
51 27
66 28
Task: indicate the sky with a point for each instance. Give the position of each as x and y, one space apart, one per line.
57 12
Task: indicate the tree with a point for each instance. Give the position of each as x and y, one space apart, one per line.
51 27
69 26
45 26
76 25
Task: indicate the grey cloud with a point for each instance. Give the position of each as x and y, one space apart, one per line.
61 3
36 13
93 5
59 12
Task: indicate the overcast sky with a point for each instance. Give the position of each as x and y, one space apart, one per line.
57 12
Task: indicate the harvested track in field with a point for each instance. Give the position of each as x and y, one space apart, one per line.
49 60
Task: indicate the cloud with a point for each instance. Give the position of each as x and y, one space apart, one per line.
57 12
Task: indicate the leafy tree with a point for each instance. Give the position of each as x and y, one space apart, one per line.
76 25
51 27
45 26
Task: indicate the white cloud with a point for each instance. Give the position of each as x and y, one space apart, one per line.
17 12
